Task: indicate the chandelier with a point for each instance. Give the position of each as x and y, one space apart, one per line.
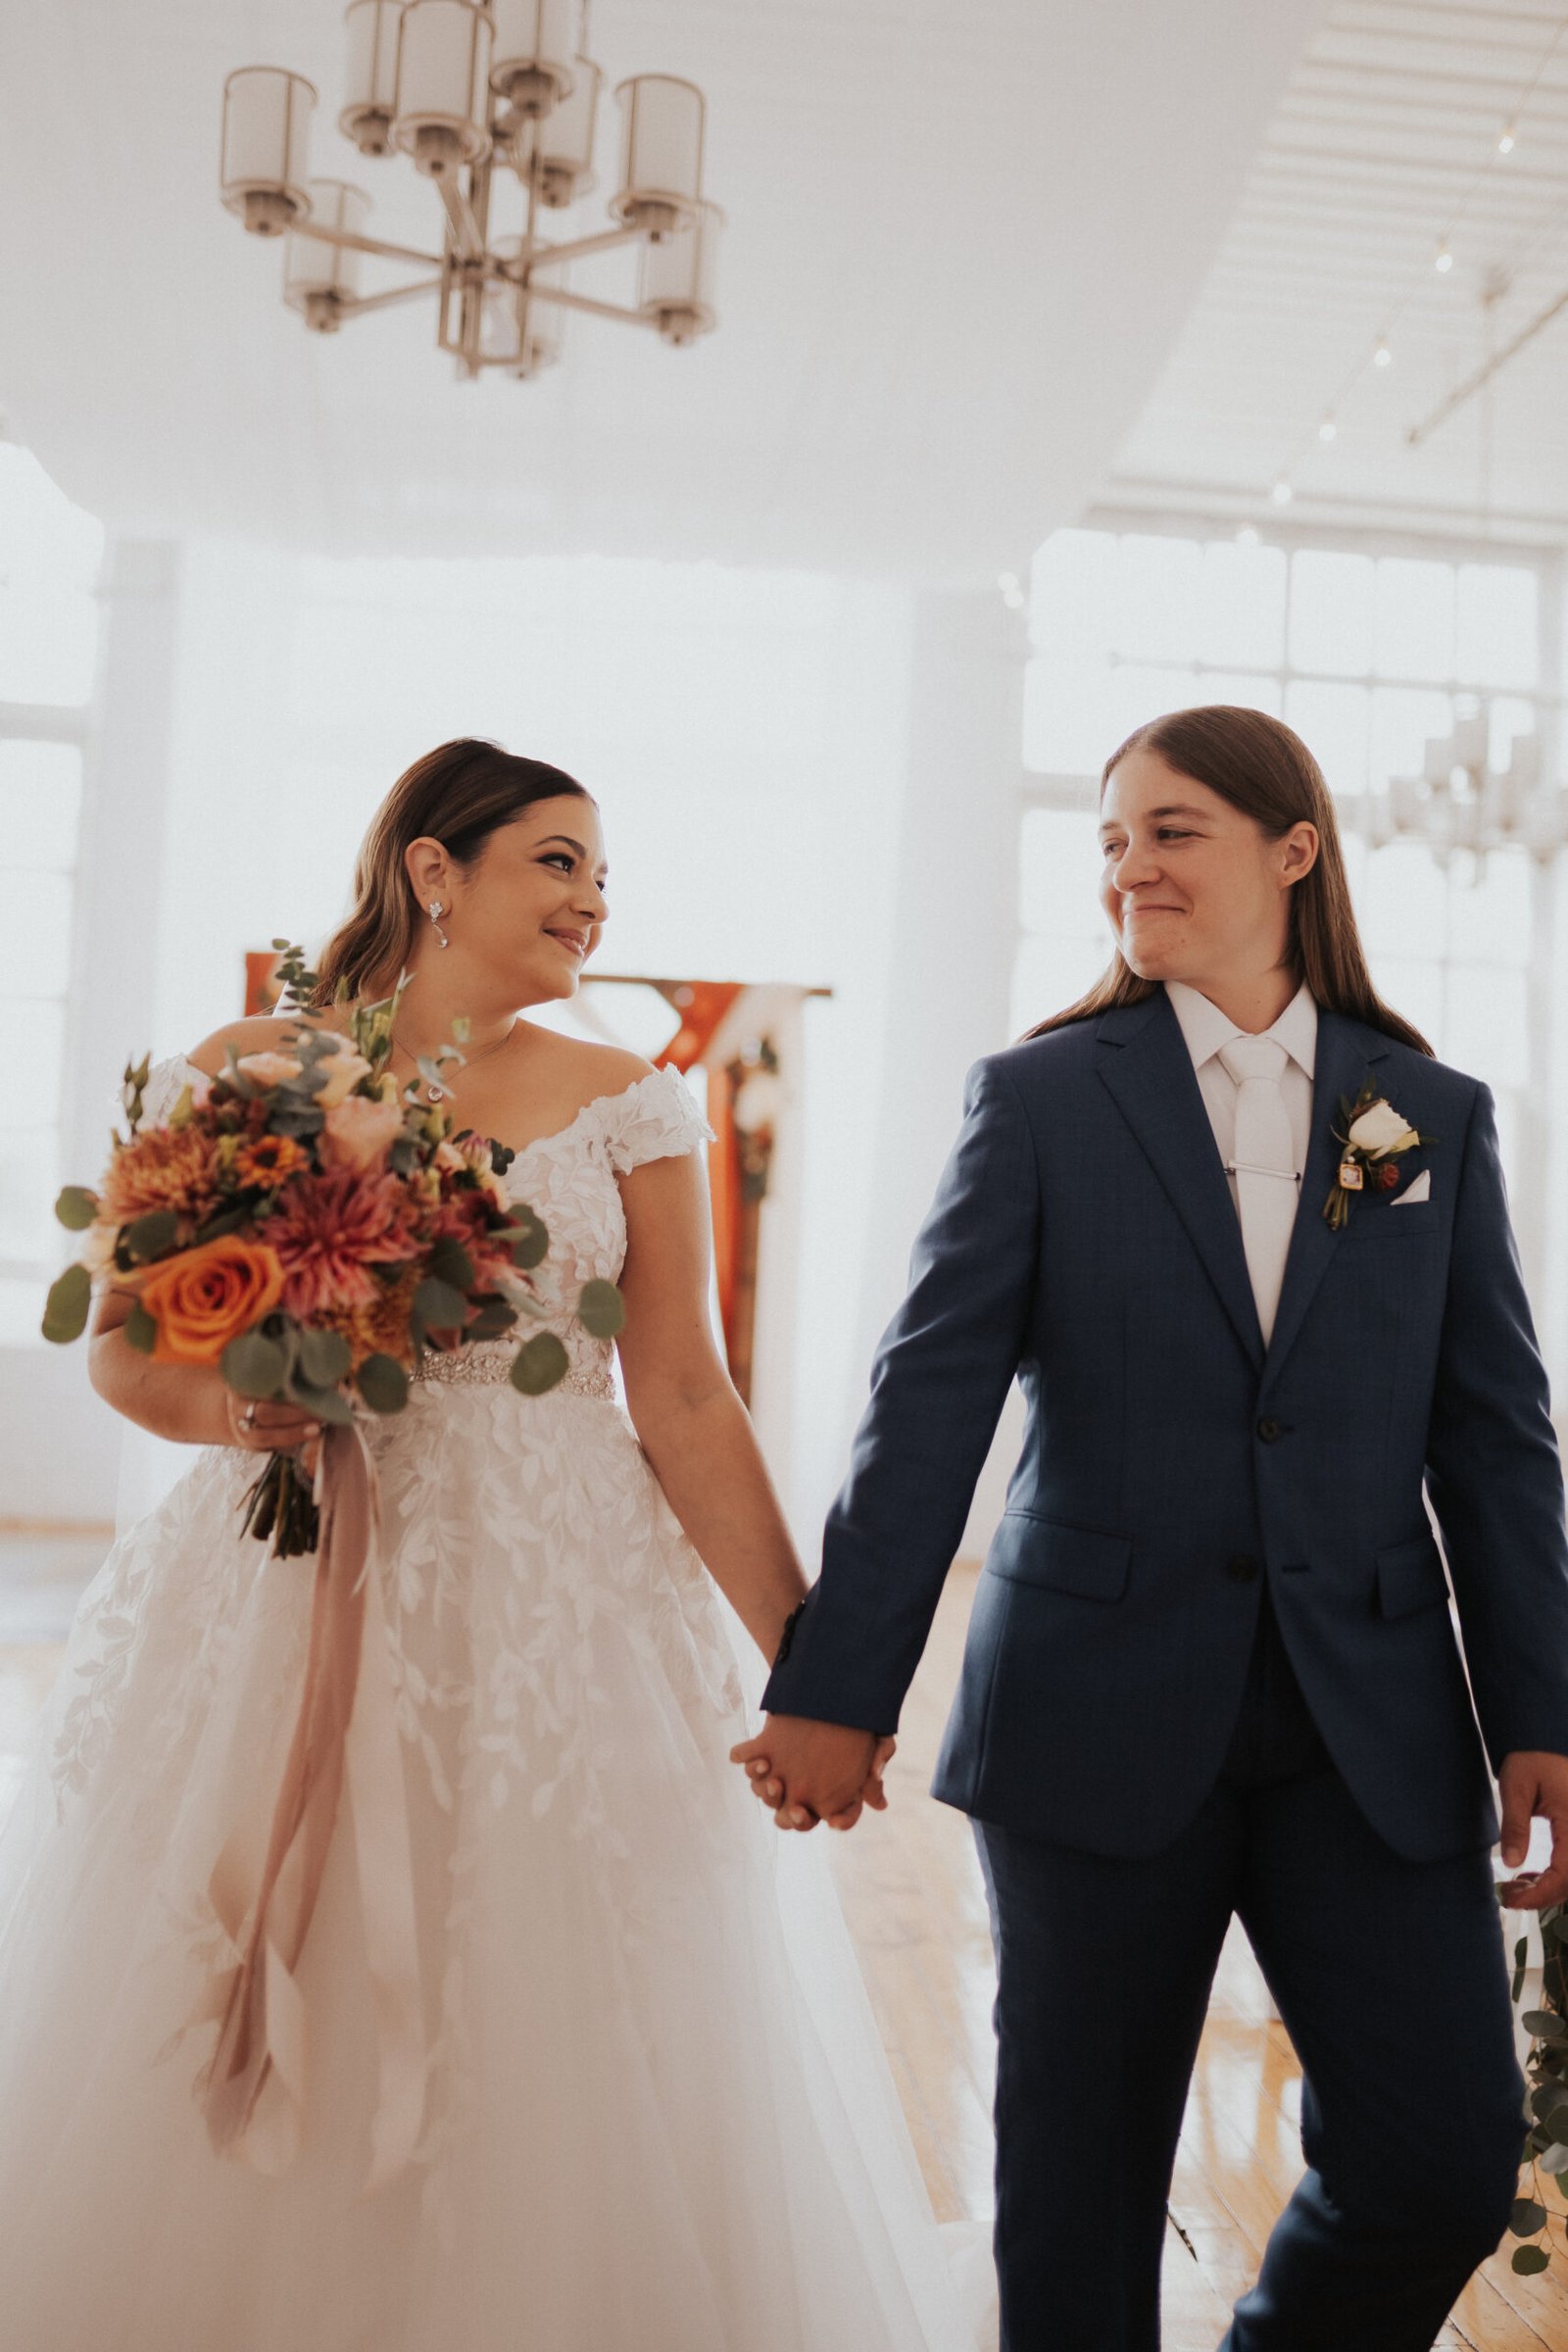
1460 801
479 93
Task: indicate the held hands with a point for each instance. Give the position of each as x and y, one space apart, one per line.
267 1428
1534 1783
810 1772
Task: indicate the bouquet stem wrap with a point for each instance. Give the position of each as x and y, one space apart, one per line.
264 1884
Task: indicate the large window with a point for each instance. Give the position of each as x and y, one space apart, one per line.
1367 654
49 558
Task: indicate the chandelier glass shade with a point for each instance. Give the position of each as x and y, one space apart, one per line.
1462 802
267 147
496 103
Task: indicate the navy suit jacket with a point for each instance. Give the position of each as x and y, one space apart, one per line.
1084 1240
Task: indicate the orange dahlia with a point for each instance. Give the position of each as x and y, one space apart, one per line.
380 1327
164 1167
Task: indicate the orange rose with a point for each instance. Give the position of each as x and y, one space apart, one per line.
207 1297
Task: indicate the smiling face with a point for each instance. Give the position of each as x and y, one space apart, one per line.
530 910
1196 889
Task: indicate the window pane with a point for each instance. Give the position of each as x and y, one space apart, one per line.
1331 612
1403 902
1050 975
35 1040
1140 693
1058 875
1403 718
1158 599
1250 692
21 1313
1069 724
1414 619
35 934
1412 985
1331 721
1241 612
1486 1026
28 1182
1499 625
1072 593
1490 913
40 801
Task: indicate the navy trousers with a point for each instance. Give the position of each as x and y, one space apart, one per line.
1391 1978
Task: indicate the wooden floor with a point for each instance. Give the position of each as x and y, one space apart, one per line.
911 1889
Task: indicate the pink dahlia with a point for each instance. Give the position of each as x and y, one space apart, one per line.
328 1232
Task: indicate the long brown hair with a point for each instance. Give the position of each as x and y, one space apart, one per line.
1263 768
459 794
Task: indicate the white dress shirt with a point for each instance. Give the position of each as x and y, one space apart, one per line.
1205 1029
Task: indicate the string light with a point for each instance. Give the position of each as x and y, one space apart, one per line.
1248 535
1442 258
1508 139
1328 430
1281 492
1383 353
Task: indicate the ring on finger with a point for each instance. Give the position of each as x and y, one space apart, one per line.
247 1419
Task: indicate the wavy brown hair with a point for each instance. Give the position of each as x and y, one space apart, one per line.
459 794
1264 770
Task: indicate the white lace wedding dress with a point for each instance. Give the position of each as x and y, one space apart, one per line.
658 2118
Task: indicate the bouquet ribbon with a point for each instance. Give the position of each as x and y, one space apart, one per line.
265 1881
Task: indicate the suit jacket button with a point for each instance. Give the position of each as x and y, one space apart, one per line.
1270 1429
1242 1566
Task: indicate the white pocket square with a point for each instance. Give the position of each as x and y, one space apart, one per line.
1419 1188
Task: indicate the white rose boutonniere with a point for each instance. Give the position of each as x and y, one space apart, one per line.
1373 1135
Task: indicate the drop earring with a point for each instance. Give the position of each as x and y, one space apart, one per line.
436 913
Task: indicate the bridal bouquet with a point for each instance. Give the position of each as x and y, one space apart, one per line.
312 1229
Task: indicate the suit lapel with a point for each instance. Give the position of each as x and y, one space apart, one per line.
1345 1054
1145 1062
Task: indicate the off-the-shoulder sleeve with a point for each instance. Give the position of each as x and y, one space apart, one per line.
167 1081
658 1118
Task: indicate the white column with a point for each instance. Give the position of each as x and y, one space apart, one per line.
955 926
119 883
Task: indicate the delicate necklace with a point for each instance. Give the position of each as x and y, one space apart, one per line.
433 1094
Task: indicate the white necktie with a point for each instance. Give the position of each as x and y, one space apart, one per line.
1264 1162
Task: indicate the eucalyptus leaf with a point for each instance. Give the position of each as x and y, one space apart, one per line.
1554 2159
141 1329
325 1359
1526 2217
451 1262
1529 2261
326 1404
149 1237
442 1307
254 1365
540 1364
68 1306
530 1240
1546 2025
1556 1927
600 1309
494 1318
383 1384
76 1207
1521 1952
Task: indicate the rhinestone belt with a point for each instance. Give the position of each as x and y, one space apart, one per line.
481 1367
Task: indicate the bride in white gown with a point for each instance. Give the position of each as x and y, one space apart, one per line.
655 2112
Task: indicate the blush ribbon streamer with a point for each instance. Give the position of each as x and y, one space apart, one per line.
265 1881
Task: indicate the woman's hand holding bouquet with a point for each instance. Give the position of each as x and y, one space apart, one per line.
310 1229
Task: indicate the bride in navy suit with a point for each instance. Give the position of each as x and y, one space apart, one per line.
1244 1243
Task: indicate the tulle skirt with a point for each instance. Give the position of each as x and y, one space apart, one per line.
657 2115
